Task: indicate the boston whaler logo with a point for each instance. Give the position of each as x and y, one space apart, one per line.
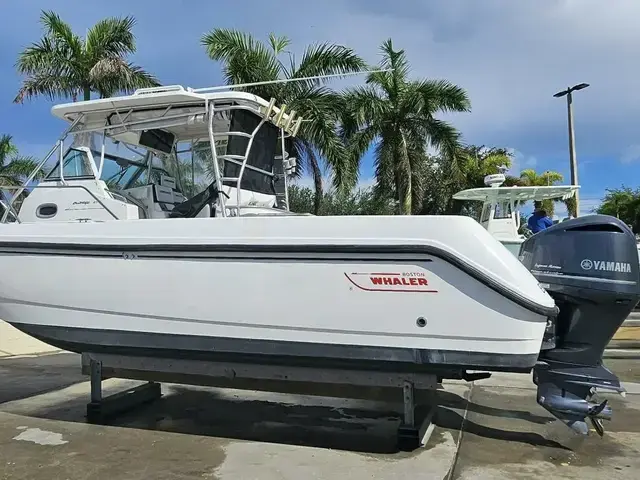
390 282
605 266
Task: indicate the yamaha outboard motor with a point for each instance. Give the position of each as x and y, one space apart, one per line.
589 265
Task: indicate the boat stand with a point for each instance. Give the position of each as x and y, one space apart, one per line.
418 390
100 409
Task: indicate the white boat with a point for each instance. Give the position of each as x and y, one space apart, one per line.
500 213
126 157
107 255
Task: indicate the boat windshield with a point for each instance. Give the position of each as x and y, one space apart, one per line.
503 210
119 173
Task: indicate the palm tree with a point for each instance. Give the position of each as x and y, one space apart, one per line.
62 64
247 60
472 164
398 115
622 203
14 168
530 177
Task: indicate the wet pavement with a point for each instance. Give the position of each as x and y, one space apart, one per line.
492 429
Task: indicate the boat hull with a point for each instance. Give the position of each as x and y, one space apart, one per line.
446 363
410 292
404 309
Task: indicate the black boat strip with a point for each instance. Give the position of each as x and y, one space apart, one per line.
271 252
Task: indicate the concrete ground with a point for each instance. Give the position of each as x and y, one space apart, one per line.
14 342
492 429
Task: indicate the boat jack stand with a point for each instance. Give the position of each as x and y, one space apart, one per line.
100 409
412 435
417 388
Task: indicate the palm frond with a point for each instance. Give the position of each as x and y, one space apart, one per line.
511 181
48 66
61 64
571 205
48 84
391 82
531 177
244 58
365 107
442 96
551 177
321 107
61 34
41 55
395 59
9 181
492 160
111 37
441 135
357 145
19 167
7 148
113 74
278 44
328 59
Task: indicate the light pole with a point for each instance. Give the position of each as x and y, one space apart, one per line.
572 138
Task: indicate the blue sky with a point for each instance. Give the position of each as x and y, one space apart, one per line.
511 56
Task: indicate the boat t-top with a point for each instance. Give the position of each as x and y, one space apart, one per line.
161 230
500 213
139 156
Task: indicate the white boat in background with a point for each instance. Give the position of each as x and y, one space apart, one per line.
501 206
500 213
140 263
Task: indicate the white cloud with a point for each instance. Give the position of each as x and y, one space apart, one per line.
520 162
511 56
589 203
631 154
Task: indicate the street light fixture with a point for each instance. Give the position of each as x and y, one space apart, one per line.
572 139
579 86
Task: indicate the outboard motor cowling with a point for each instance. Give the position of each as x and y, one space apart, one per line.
590 266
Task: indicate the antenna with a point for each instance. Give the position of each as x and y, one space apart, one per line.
286 80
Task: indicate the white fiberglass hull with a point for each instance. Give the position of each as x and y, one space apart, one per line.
134 287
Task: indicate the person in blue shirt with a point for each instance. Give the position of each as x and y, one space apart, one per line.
539 220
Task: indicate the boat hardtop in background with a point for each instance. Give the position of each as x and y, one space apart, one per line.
500 213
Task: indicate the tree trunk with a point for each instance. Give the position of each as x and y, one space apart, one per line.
398 182
317 182
87 93
407 205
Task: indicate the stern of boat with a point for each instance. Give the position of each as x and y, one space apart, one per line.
589 266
